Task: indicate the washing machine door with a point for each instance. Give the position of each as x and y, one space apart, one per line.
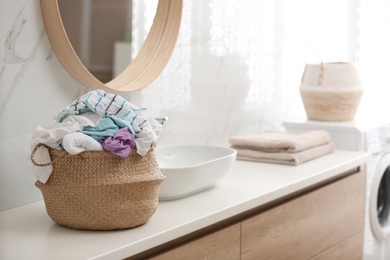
380 199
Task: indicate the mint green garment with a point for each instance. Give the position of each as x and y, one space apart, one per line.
123 123
105 128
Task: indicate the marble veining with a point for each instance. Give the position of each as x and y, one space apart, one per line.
6 91
15 51
24 28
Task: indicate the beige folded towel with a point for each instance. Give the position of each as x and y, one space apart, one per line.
285 157
281 141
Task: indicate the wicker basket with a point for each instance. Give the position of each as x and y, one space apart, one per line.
100 191
331 91
329 105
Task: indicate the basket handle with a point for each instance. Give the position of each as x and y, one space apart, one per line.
33 154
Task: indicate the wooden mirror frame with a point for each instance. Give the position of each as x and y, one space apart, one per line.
150 61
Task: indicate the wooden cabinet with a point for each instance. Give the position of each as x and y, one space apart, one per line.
308 225
323 223
223 244
351 248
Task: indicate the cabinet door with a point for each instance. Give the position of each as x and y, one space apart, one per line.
310 224
223 244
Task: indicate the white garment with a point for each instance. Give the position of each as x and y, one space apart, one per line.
52 136
41 156
75 143
147 136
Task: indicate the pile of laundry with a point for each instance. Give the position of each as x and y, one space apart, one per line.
96 121
291 148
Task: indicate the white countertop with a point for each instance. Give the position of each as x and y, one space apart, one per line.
28 233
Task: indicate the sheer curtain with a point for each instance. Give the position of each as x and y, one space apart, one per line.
237 65
374 56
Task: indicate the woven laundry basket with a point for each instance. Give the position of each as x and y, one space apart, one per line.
100 191
331 91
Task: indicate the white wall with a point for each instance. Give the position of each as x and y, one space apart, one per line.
33 87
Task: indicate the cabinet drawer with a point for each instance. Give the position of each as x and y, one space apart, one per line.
223 244
309 224
350 249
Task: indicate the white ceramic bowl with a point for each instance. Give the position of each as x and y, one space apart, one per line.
191 169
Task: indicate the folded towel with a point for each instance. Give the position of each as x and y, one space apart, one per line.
75 143
281 141
285 157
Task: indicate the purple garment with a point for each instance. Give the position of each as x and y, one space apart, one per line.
120 144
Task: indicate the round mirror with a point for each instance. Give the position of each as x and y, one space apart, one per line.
147 65
107 34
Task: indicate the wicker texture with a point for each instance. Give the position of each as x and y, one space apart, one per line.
100 191
331 91
330 105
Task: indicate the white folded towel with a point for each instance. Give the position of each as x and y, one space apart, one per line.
75 143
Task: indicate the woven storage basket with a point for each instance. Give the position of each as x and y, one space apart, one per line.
100 191
331 91
328 105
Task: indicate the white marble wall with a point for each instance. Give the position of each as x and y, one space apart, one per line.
207 95
33 86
